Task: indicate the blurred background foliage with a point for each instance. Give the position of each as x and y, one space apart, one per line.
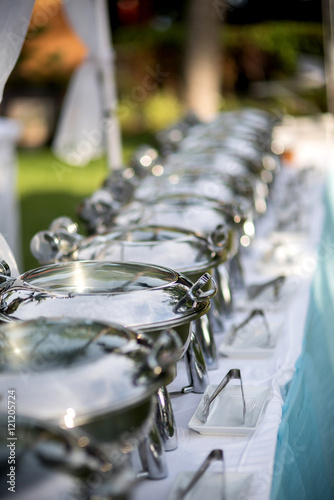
263 52
268 51
282 39
276 64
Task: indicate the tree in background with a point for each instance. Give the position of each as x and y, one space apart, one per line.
203 57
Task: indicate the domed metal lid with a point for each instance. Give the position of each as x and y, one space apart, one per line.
214 184
67 372
88 277
186 251
223 161
202 214
181 249
135 295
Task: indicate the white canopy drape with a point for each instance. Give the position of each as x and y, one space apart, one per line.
14 23
88 124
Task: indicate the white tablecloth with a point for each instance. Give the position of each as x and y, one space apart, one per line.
254 454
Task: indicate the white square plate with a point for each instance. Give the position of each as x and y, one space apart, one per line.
225 415
248 346
237 486
266 299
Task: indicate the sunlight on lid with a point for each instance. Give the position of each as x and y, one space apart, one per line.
80 282
69 418
249 228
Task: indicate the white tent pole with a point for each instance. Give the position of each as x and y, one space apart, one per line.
106 56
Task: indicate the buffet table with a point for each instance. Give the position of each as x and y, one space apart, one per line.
273 429
250 461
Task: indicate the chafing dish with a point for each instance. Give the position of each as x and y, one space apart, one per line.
245 125
200 213
241 148
96 378
145 297
242 138
234 172
203 182
202 190
45 461
254 125
185 251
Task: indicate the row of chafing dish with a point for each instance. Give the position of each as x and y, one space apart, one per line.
91 339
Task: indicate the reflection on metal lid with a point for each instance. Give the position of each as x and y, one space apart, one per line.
98 277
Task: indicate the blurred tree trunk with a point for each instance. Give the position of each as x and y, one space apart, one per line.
203 57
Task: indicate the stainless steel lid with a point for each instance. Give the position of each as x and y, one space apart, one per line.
200 213
180 249
240 147
186 251
68 372
216 185
220 162
135 295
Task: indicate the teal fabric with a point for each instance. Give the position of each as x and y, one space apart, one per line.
304 464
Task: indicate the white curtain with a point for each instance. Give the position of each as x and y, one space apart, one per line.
82 128
79 138
14 22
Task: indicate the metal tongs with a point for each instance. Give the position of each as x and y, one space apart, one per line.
254 290
234 373
214 455
234 330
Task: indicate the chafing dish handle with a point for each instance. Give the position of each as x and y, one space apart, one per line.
4 269
218 238
45 247
196 294
90 454
165 351
60 240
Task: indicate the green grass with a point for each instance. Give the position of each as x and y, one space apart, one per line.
48 189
